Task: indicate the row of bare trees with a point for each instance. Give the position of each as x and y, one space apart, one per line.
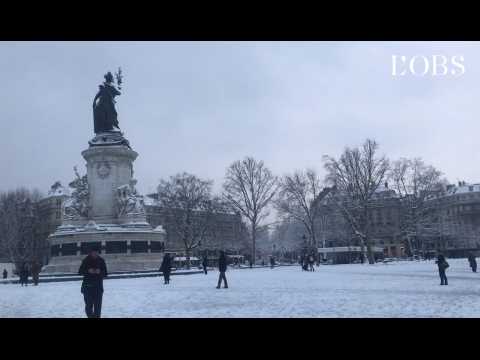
20 236
350 185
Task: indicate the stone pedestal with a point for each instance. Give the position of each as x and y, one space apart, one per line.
108 168
128 242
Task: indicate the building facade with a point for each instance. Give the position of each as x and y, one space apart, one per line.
50 211
453 227
456 229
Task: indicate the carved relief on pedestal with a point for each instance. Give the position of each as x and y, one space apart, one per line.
129 201
77 206
103 169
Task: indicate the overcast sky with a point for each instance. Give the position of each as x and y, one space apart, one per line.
199 106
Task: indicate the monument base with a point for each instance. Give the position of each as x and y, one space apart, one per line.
115 262
131 247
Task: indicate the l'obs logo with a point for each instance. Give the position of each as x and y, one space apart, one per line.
434 65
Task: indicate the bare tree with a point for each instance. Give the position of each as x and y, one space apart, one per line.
188 203
19 226
415 184
299 198
356 176
249 187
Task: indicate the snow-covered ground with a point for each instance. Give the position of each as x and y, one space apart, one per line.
399 289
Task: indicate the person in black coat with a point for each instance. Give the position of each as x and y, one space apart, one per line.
272 262
472 261
35 270
24 275
442 267
311 262
205 264
222 267
166 268
94 270
5 273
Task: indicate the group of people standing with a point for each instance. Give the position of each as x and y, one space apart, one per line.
307 262
27 270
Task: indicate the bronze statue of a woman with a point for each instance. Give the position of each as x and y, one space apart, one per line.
104 113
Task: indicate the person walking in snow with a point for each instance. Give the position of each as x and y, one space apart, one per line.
36 273
205 264
472 261
222 267
5 273
272 262
311 262
24 275
166 268
442 267
305 263
94 270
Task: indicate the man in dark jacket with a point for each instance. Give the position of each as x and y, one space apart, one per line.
222 267
205 264
24 275
166 268
311 262
5 273
442 267
94 270
472 261
36 273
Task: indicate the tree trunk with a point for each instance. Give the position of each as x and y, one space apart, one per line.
254 235
371 257
362 249
187 255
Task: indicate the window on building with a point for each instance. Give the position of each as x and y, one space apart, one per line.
116 247
139 246
156 246
69 249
